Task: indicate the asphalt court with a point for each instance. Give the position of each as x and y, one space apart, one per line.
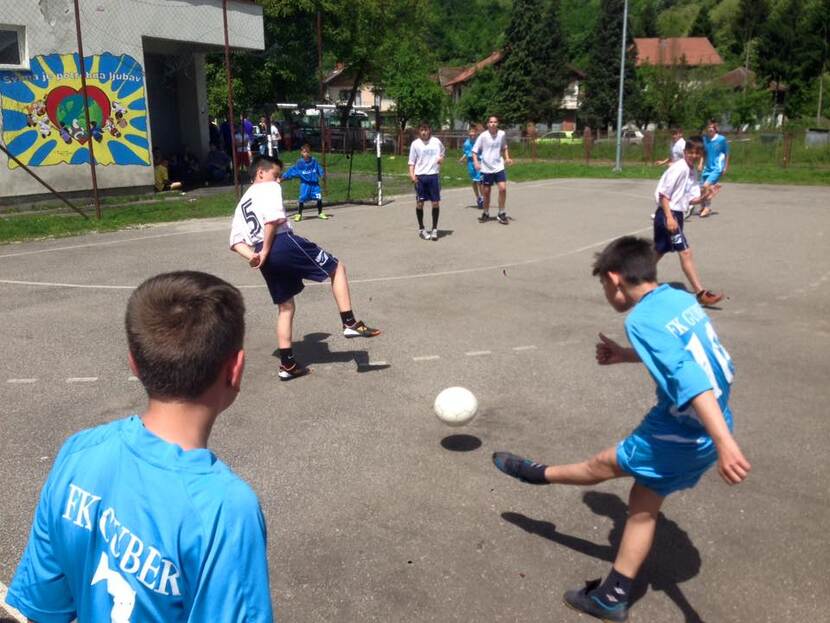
378 512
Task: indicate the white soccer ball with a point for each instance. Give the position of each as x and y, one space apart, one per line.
455 406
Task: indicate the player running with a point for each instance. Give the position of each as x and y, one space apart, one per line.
467 156
716 150
490 155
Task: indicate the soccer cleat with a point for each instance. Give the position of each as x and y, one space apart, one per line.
707 297
511 465
424 234
323 216
584 601
298 217
689 212
358 329
502 218
434 235
293 371
484 217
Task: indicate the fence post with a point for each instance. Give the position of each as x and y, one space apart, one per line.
531 137
788 148
648 146
587 143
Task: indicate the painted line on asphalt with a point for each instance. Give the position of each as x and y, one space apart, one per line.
377 363
478 353
82 379
21 381
426 358
132 378
521 348
13 612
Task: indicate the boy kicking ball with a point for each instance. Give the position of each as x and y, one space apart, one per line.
262 235
682 436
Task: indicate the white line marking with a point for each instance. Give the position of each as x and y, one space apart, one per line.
426 358
377 363
478 353
132 378
21 381
82 379
444 273
520 348
15 614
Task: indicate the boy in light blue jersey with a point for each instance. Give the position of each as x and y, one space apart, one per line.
138 519
467 155
716 152
682 436
310 173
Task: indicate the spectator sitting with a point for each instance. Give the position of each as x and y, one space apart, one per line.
162 176
217 165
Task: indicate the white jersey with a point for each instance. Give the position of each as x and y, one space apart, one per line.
677 149
676 184
261 204
425 156
489 148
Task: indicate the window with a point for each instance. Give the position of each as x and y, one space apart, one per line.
13 52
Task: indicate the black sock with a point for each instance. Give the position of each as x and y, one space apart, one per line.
614 590
300 208
419 212
435 210
319 207
347 317
286 357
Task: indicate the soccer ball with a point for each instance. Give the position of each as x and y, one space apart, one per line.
455 406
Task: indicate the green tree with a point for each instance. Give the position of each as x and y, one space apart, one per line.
603 69
647 23
408 81
477 99
519 66
748 23
550 54
702 26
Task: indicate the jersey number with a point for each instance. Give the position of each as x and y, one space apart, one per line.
695 347
251 219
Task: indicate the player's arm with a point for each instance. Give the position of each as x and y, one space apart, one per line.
610 352
258 259
442 153
412 176
243 249
665 205
732 465
725 160
506 153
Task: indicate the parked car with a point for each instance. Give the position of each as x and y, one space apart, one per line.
632 137
565 137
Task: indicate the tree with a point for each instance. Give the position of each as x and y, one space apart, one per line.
603 68
477 99
749 20
647 24
702 26
407 80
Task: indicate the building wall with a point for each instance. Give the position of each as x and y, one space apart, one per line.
114 36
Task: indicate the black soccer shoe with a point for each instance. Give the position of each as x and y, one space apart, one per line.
520 468
583 601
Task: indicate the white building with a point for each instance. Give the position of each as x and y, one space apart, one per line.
145 86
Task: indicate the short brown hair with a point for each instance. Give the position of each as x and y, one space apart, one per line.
630 257
182 327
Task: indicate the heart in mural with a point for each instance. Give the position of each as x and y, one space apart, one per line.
65 105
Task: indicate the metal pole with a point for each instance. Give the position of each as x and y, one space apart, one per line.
230 101
378 143
618 164
323 149
90 140
320 53
52 190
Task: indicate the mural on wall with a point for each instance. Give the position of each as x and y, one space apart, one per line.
43 120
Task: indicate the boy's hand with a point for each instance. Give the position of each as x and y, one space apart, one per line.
732 464
509 162
609 352
255 261
671 223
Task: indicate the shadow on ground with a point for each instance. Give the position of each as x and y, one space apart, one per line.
313 349
673 558
461 443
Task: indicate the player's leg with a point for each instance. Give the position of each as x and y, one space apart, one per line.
289 368
502 215
599 468
436 210
320 213
299 215
342 296
608 600
486 190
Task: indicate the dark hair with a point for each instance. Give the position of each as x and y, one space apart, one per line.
305 146
630 257
263 163
182 327
713 122
424 124
693 142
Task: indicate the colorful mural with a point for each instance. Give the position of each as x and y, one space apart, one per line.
43 120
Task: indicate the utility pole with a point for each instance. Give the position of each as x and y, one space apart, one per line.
618 163
230 101
90 140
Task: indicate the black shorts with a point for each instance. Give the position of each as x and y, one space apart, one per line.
428 188
664 240
292 259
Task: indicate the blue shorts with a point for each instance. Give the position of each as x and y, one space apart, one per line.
309 192
664 240
428 188
292 259
710 176
665 466
488 179
475 176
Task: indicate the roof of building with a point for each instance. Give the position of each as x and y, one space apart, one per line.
472 70
691 51
738 78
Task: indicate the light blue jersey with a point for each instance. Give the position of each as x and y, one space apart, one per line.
716 149
674 338
132 528
475 176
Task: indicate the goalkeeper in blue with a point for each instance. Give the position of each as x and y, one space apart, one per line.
688 431
310 173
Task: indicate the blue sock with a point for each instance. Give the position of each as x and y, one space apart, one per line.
613 592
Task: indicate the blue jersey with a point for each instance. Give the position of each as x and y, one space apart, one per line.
678 344
468 149
309 171
132 528
717 149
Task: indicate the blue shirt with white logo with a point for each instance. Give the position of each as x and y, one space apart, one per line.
468 149
717 149
678 344
130 527
308 171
